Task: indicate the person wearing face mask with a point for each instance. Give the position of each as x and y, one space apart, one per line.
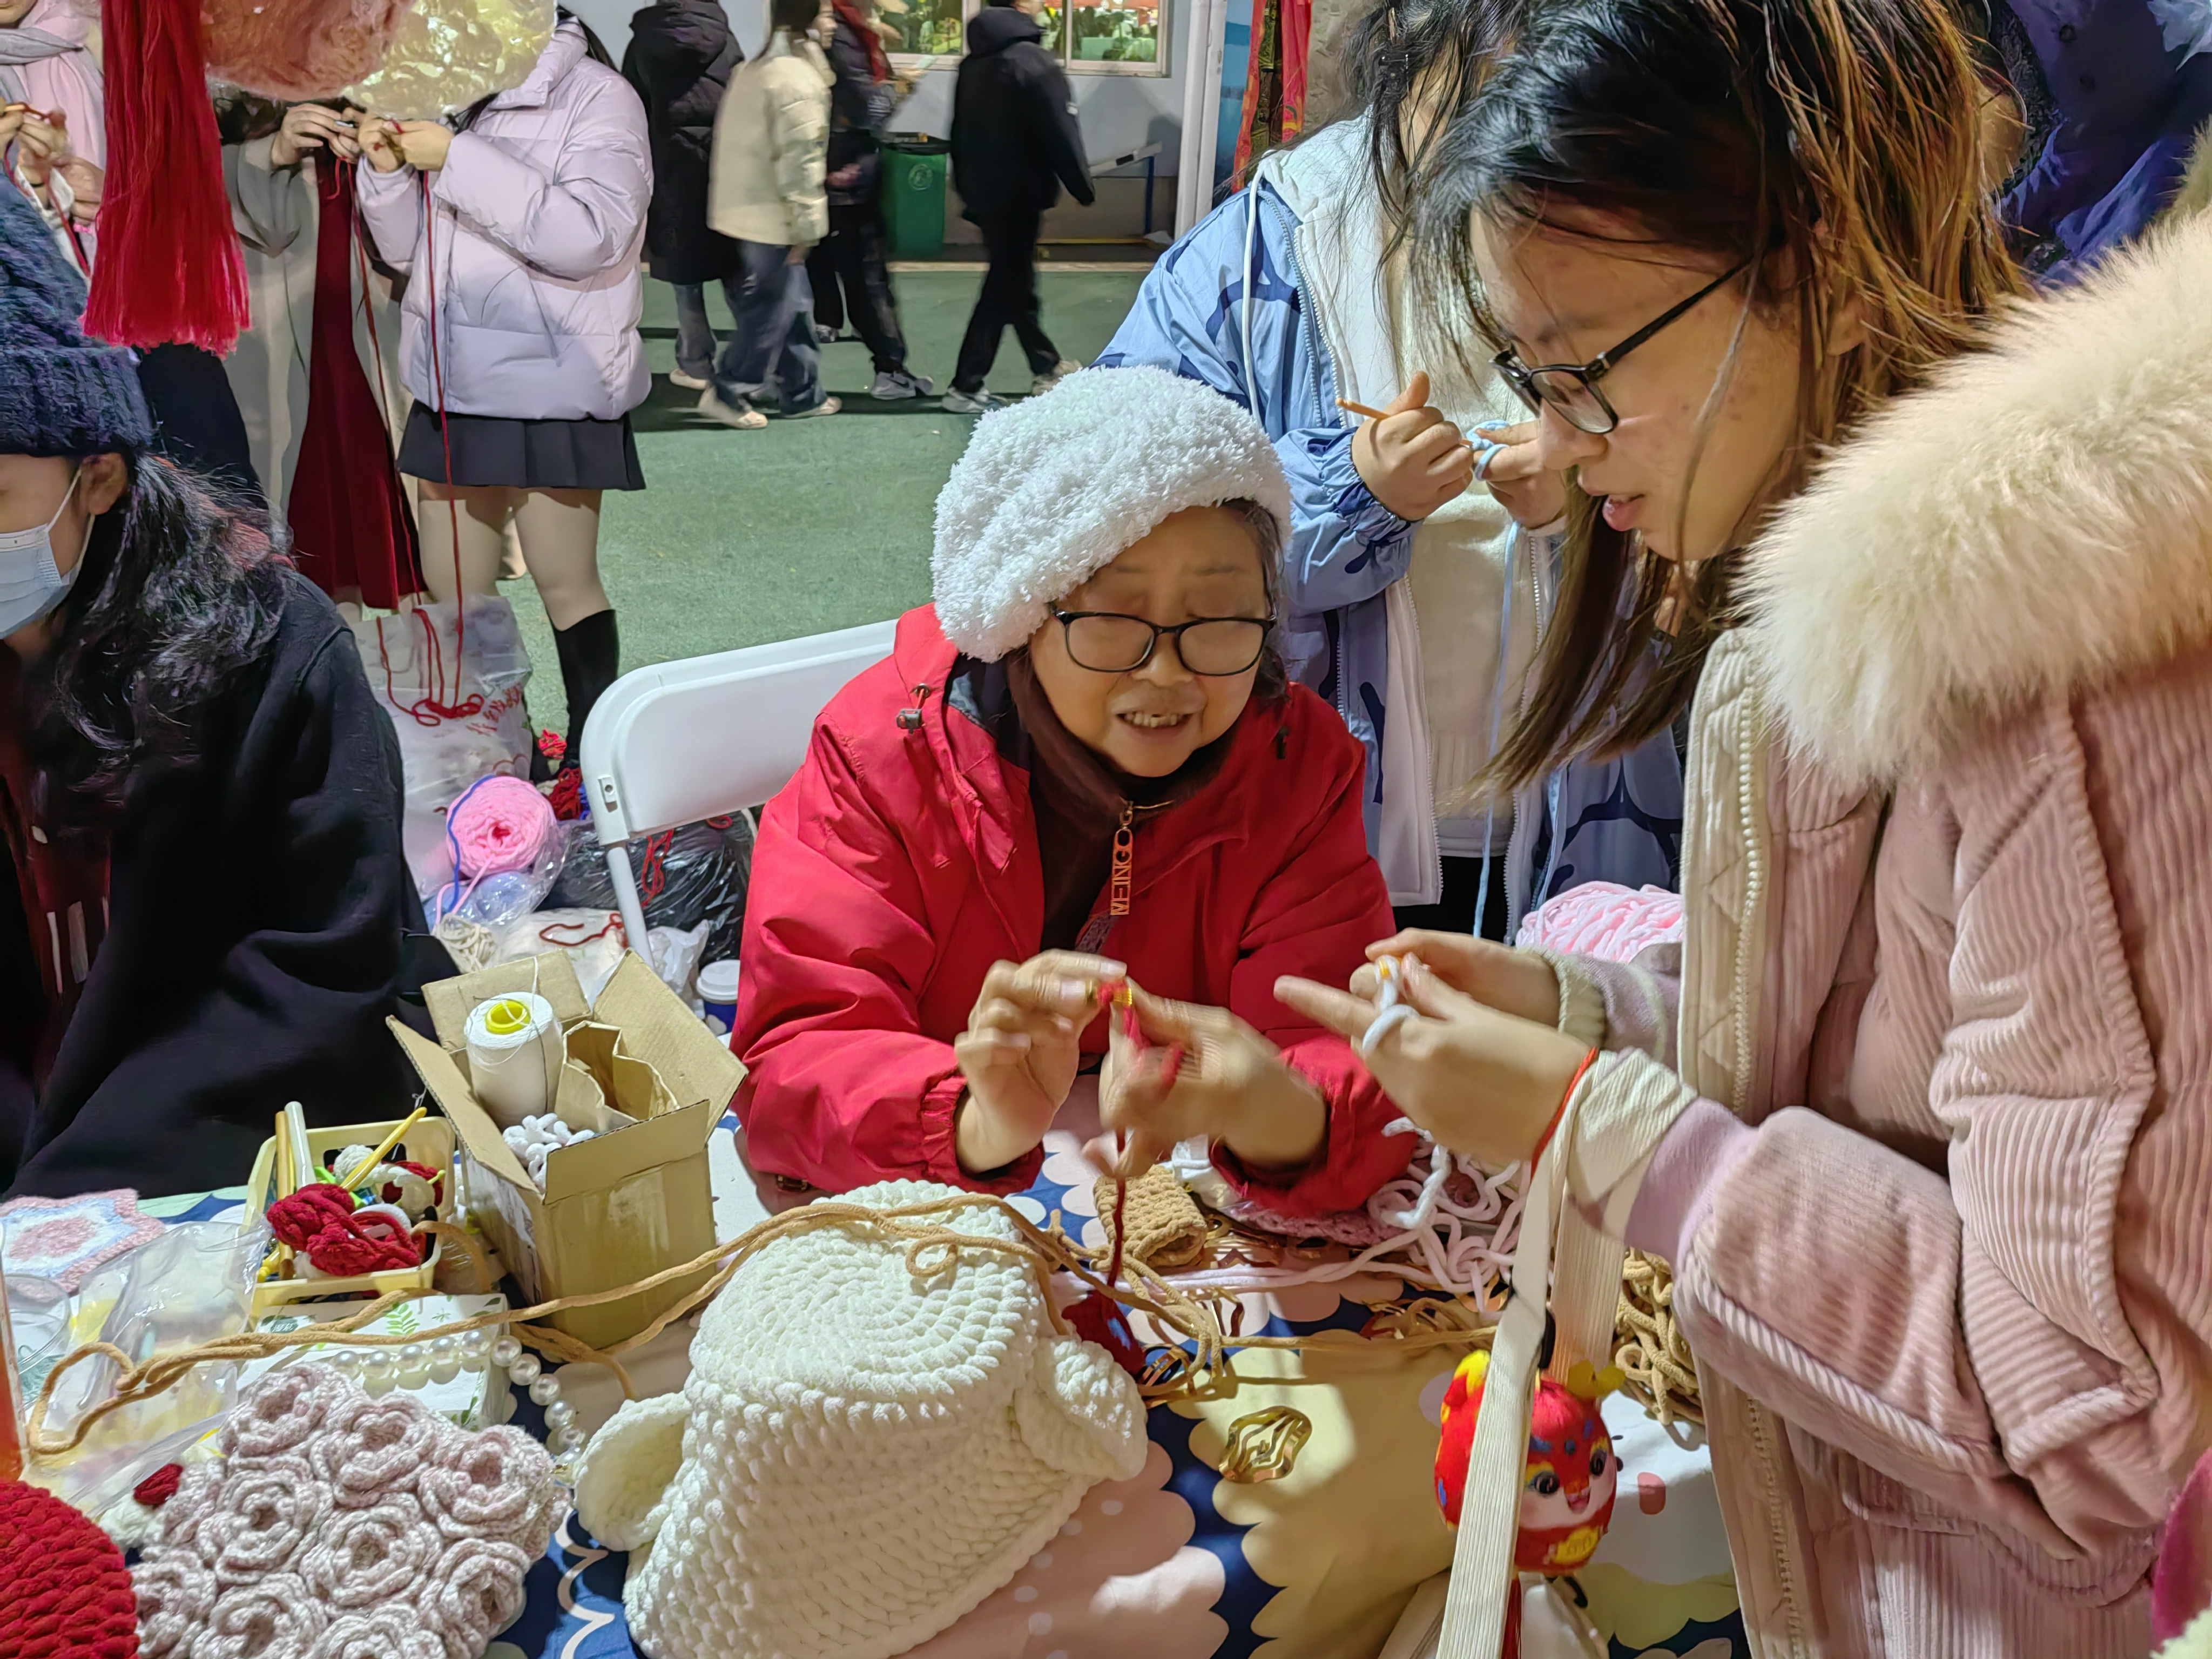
1920 1108
200 797
1082 767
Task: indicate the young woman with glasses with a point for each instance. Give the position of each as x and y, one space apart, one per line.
1921 1110
1083 769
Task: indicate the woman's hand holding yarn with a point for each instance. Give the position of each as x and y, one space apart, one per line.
380 144
1483 1083
1516 982
422 144
1021 1051
1203 1072
1512 464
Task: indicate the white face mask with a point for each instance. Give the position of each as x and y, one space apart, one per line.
31 584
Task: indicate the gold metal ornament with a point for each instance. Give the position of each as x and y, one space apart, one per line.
448 54
1265 1446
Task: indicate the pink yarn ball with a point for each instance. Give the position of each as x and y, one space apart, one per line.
501 825
1605 920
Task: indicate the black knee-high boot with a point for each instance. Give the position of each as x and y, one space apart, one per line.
591 661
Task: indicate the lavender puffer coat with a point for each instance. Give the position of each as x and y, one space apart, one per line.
532 255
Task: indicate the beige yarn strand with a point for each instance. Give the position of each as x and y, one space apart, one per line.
932 1248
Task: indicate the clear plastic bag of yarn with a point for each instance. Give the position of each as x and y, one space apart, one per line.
192 1285
498 899
448 54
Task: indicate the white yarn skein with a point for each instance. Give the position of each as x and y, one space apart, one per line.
515 1073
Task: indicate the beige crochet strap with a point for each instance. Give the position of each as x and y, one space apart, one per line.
1490 1510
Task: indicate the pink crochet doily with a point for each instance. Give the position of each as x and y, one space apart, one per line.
67 1239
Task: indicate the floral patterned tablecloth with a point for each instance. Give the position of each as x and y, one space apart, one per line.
1179 1564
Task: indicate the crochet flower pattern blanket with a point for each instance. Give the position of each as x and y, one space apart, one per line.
343 1526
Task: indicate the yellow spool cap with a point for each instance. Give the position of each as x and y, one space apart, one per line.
507 1017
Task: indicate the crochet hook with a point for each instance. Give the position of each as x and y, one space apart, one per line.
1361 409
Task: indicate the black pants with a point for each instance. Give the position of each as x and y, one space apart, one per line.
854 254
1009 295
1455 912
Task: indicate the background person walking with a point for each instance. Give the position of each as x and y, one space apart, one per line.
1015 142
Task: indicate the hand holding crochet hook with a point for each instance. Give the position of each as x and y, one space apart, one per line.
1176 1071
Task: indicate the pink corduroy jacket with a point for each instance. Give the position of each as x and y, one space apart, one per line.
1948 1268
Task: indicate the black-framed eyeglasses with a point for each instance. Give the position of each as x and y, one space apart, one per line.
1571 388
1107 642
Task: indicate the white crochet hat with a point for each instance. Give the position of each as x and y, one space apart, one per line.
860 1457
1052 491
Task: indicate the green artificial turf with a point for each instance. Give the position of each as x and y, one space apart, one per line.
740 538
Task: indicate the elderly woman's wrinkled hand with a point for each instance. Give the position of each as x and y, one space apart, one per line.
1485 1084
1021 1051
1204 1072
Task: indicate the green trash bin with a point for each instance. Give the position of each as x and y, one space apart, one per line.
913 175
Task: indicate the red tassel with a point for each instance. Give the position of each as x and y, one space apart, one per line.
167 268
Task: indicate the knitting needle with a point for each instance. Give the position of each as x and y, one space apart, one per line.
303 1159
277 1264
379 1154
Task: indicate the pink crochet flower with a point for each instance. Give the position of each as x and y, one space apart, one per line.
496 1484
280 1415
362 1557
475 1591
198 1496
270 1508
393 1630
378 1448
270 1616
175 1596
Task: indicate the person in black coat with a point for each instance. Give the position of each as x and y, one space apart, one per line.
203 889
1015 142
853 255
681 57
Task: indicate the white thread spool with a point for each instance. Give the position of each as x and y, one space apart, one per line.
514 1064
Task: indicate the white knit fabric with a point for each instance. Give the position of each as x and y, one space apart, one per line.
860 1457
1052 491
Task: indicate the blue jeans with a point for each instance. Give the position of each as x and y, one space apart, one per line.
772 331
695 335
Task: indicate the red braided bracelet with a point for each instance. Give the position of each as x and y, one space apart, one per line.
1560 1111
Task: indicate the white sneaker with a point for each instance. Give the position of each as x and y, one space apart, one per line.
689 382
957 402
893 385
827 406
1060 371
743 416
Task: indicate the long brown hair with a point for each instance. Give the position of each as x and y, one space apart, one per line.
1832 143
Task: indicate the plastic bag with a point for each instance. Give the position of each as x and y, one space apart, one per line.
696 874
594 940
192 1285
420 667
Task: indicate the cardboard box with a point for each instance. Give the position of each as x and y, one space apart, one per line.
632 1202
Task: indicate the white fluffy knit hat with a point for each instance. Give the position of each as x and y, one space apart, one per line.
859 1456
1052 491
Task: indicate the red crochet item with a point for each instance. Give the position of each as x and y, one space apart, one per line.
65 1592
159 1487
319 1221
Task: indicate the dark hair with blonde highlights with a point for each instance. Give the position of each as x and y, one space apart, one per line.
1838 139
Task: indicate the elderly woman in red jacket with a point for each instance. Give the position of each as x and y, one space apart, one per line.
1081 768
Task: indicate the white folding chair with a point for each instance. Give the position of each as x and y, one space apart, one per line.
683 741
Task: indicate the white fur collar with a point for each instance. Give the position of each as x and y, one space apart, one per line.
2038 519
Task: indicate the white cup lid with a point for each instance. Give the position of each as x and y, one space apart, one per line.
718 982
